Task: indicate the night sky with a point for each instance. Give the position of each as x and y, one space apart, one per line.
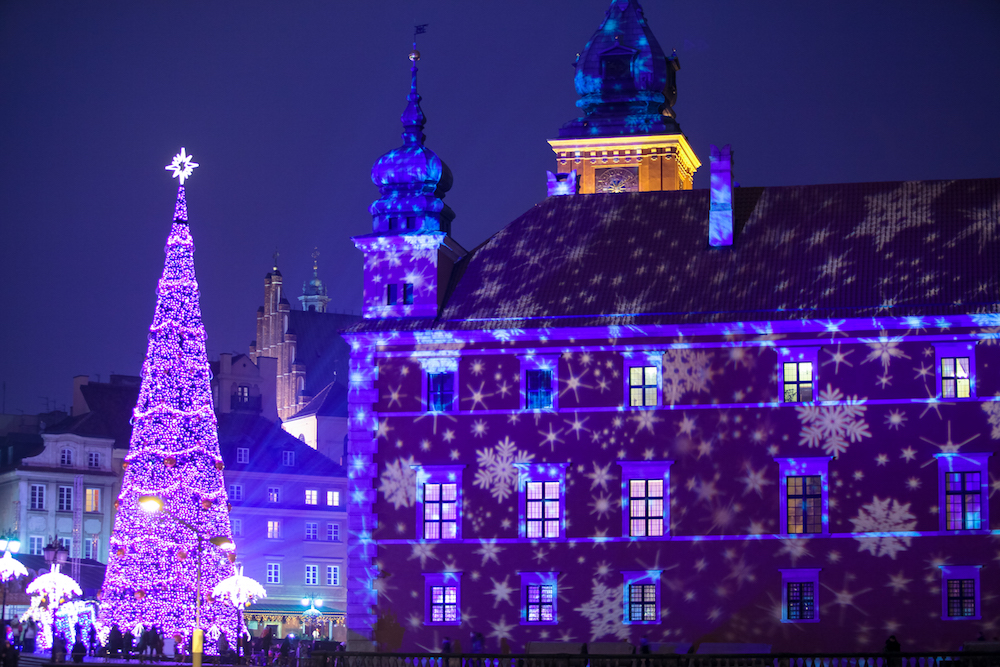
286 105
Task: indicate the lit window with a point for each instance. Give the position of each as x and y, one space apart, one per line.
274 573
66 457
273 494
332 575
805 504
407 293
37 499
799 588
65 499
798 381
963 483
92 500
960 592
541 500
237 527
642 384
645 502
440 511
642 597
539 385
333 532
236 492
242 455
287 458
312 575
442 598
440 391
539 598
243 394
93 459
312 497
538 389
36 543
274 530
804 495
312 530
955 377
333 498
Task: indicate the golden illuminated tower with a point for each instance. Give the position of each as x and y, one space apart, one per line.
627 139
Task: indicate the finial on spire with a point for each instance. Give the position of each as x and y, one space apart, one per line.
413 118
276 255
182 166
315 256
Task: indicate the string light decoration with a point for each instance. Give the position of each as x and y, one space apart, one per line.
174 455
48 592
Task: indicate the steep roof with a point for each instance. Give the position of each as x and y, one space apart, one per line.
320 347
111 406
267 441
331 402
801 252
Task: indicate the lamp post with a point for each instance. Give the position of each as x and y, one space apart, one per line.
56 555
9 569
312 613
155 505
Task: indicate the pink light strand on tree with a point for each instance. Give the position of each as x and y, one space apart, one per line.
174 455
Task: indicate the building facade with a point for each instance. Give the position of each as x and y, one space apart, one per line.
743 415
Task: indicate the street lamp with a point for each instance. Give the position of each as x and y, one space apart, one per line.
312 614
155 505
9 569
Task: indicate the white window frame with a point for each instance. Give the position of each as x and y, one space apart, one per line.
540 362
64 498
312 496
333 498
540 472
93 459
66 456
333 575
645 470
36 497
288 457
445 474
314 527
799 576
274 494
236 492
434 366
955 349
236 526
642 358
333 532
311 575
806 466
798 354
92 547
243 455
36 545
446 579
92 493
640 578
274 573
964 462
539 579
273 529
949 572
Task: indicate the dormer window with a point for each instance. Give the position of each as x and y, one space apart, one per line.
66 457
287 458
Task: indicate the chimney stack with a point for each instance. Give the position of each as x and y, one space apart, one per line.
720 216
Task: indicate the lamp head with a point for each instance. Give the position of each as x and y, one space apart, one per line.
223 543
3 544
151 504
14 545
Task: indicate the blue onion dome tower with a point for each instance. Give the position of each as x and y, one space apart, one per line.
412 179
627 89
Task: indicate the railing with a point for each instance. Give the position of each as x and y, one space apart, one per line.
949 659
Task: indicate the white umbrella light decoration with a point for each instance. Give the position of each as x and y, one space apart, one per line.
239 590
48 591
10 568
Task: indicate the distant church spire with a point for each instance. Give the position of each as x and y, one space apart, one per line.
314 297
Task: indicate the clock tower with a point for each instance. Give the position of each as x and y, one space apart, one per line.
628 139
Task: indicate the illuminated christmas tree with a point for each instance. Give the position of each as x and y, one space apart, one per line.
173 456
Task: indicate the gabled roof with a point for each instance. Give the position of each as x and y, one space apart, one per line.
801 252
331 402
267 441
320 347
111 406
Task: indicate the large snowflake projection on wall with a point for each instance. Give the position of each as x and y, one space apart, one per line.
887 517
832 427
992 410
685 371
497 471
889 214
399 482
604 611
884 349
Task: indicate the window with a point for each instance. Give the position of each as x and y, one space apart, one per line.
92 500
956 366
804 493
332 575
36 543
960 592
312 575
392 294
274 573
439 502
407 293
541 501
333 498
287 458
440 391
236 492
236 525
273 494
274 530
442 598
312 497
797 373
962 486
799 588
243 394
645 491
333 532
65 499
93 459
540 388
37 498
66 457
92 547
642 381
642 597
539 598
312 530
67 544
242 455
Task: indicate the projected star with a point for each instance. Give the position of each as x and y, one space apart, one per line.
182 166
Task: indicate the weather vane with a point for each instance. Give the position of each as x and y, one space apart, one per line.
417 30
182 166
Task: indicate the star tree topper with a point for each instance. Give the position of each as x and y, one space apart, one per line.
182 166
